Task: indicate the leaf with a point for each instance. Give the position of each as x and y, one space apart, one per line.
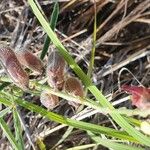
18 129
74 123
53 22
40 144
111 144
3 85
4 111
8 134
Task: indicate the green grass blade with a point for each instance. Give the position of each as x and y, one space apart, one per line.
74 123
53 22
18 129
8 134
5 102
110 144
40 144
3 85
106 143
70 122
5 111
86 80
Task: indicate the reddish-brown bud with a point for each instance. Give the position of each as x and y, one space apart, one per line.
73 86
140 96
48 100
29 60
55 70
13 67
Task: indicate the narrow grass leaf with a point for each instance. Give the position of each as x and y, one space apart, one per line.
74 123
3 85
111 144
115 146
8 134
78 124
5 101
53 22
87 81
40 144
18 129
4 111
108 144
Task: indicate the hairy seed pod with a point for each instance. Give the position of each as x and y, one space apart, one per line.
73 86
55 70
48 100
29 60
13 67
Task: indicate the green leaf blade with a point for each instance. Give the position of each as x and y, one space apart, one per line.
4 111
8 134
53 22
18 129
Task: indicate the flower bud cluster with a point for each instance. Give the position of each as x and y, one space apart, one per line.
56 79
13 62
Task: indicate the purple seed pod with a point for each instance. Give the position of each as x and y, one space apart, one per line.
73 86
13 68
29 60
48 100
55 70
